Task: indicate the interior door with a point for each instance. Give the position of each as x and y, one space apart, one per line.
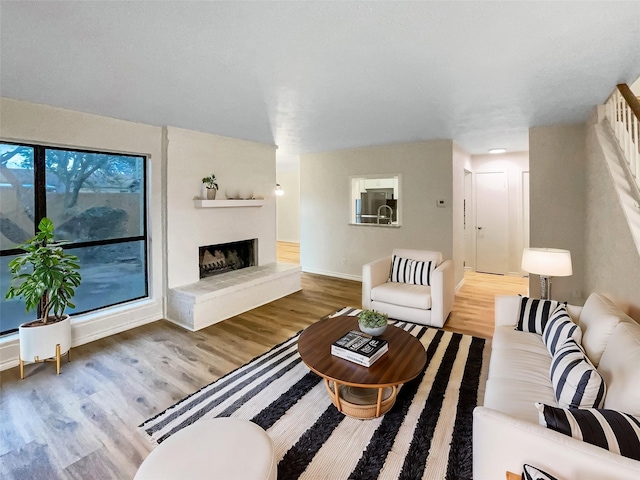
492 241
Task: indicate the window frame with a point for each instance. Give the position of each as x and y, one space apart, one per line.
380 176
40 207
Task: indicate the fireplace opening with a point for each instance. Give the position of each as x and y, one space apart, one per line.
225 257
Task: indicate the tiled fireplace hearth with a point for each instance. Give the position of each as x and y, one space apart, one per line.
222 296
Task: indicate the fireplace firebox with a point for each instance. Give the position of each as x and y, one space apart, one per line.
225 257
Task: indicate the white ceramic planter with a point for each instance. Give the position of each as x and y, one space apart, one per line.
374 332
40 342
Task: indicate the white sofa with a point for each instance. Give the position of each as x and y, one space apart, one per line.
427 305
506 432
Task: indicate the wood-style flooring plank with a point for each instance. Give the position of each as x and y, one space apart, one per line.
473 309
288 252
82 424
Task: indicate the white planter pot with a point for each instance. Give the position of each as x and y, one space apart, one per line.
373 331
40 342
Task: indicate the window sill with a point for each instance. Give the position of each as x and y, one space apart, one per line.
104 314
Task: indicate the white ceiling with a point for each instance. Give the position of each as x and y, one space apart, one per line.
316 76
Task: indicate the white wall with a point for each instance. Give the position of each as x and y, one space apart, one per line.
237 164
557 161
514 164
635 87
41 124
612 264
288 207
326 238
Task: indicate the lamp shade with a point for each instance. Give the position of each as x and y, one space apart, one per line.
551 262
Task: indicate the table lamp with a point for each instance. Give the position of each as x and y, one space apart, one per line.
547 262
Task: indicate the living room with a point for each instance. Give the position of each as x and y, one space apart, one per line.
573 202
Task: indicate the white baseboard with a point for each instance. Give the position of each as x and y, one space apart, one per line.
345 276
459 286
92 326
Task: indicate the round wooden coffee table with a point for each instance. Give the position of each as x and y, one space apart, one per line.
357 391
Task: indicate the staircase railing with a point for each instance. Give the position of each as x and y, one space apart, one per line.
623 112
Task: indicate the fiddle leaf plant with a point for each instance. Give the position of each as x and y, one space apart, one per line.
45 275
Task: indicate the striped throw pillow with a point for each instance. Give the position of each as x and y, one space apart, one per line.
533 473
616 431
559 329
575 380
400 269
405 270
421 272
534 314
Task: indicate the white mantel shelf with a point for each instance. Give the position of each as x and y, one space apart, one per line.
197 203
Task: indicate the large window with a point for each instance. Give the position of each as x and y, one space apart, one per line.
96 202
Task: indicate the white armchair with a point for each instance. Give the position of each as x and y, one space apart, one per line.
427 305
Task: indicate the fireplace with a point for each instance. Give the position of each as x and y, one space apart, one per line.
225 257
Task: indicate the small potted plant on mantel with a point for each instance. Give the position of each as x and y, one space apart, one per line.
212 186
372 322
45 276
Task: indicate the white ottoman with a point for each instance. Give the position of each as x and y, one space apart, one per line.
219 448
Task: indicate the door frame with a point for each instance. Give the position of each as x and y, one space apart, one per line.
524 212
469 225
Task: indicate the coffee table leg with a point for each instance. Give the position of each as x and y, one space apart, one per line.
379 404
394 392
337 390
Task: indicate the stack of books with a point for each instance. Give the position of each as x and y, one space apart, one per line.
360 348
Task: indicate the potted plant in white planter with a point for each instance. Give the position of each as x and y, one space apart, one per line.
212 186
372 322
50 284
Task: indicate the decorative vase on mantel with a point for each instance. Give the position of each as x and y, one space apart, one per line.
211 185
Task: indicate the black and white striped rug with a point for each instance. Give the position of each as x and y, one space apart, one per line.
427 433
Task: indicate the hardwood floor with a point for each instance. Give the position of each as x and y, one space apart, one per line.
288 252
473 308
82 424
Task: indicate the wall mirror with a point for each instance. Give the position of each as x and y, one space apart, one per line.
375 200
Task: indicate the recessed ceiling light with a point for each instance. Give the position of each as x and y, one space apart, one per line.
497 150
